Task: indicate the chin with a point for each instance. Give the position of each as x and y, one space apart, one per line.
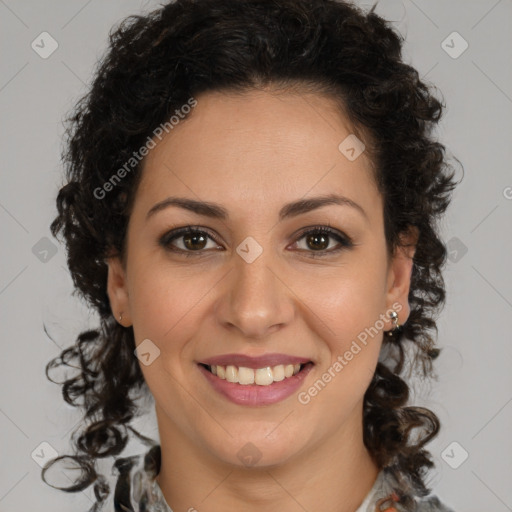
253 452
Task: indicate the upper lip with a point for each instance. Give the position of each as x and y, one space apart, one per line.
254 362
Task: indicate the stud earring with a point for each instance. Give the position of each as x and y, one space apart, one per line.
120 316
394 318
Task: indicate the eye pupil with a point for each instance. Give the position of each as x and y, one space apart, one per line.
315 237
194 237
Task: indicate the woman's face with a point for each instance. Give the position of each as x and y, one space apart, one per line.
254 282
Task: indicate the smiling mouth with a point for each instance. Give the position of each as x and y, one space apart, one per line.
260 376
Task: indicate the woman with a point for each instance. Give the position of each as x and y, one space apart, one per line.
251 203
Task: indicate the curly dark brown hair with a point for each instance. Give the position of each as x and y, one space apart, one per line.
154 64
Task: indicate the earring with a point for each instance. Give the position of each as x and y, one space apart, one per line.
120 316
394 318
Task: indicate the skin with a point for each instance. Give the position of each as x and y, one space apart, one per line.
252 154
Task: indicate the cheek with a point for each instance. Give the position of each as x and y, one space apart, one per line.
347 305
167 302
348 321
345 300
166 308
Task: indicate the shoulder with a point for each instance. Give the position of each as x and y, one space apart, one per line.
386 484
134 479
432 504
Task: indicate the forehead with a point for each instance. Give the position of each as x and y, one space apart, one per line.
256 148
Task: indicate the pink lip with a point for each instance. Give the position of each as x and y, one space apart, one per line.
253 394
254 362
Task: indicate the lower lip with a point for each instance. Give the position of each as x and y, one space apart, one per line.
252 394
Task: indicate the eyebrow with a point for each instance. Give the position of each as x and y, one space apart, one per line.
293 209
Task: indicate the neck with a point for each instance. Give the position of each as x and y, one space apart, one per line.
335 475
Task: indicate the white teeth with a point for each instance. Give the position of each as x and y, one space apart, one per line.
231 373
245 375
261 376
278 372
221 372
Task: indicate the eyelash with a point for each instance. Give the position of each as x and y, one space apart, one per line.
344 240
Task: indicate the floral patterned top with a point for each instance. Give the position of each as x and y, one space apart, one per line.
136 489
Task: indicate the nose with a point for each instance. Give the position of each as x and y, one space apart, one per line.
255 301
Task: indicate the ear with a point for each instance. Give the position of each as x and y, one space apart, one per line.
117 290
399 274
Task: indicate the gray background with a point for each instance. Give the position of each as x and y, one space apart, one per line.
473 394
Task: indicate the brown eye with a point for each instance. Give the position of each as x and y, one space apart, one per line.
317 240
188 241
195 241
192 241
